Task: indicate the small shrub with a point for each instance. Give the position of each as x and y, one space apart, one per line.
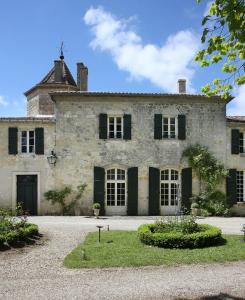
184 224
15 228
206 236
96 206
217 203
195 205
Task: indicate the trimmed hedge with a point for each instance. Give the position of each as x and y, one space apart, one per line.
207 236
20 234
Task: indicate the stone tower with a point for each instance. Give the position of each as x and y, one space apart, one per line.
59 78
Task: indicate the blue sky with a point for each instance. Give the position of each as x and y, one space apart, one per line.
131 45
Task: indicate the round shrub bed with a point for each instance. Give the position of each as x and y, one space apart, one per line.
19 234
206 236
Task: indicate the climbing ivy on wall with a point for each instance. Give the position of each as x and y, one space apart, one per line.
208 169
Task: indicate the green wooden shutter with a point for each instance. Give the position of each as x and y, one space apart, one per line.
157 126
132 207
181 127
186 188
39 141
13 140
234 141
154 191
127 127
103 126
99 188
231 191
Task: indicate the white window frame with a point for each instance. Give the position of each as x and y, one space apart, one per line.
240 195
170 181
241 142
27 145
169 126
116 182
115 127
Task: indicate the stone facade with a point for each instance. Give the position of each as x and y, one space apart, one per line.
26 163
77 124
73 134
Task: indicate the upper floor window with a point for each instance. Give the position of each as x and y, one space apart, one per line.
169 127
115 127
28 141
241 142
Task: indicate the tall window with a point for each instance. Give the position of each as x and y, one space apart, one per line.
116 187
169 127
28 141
240 186
115 127
241 142
169 187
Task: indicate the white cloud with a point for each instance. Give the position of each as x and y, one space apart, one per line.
162 65
3 102
237 106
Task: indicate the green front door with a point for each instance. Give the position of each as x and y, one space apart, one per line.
27 193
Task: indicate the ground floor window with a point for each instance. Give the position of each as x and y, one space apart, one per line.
115 187
169 185
240 186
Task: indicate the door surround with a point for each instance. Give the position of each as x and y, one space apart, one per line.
14 188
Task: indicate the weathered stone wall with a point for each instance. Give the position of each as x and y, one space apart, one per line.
24 163
39 101
235 161
79 148
33 106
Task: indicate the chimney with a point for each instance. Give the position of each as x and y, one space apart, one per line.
182 86
58 65
82 77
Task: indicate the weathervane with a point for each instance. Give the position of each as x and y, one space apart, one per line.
61 51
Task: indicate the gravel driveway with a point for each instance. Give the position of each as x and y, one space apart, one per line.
36 272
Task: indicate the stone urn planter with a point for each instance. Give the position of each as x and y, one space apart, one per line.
77 210
96 213
96 209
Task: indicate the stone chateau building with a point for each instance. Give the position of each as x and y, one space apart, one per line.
126 147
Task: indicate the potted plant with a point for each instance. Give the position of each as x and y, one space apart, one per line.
96 208
195 209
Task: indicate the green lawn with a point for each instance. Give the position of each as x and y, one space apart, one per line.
123 249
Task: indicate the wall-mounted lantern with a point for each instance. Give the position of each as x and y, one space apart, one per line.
52 158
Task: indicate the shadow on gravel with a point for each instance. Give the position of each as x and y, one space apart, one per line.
21 244
221 296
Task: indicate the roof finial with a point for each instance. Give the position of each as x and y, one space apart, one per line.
61 51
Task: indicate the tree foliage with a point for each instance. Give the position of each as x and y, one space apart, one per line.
224 38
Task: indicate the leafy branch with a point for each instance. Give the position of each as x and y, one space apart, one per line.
224 39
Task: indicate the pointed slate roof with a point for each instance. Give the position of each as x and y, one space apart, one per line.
64 78
59 76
